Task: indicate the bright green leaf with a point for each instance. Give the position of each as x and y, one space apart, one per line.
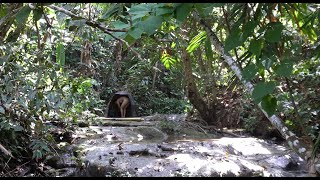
196 41
262 89
249 72
269 104
273 33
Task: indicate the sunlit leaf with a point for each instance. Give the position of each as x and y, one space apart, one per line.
196 41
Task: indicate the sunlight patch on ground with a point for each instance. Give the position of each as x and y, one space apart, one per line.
247 146
192 164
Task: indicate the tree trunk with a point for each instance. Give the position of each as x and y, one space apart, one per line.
293 141
207 112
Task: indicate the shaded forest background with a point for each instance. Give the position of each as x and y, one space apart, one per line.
62 62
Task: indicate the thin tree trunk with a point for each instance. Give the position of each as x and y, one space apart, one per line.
290 137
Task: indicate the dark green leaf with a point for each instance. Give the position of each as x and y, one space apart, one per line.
269 104
23 14
120 25
111 11
37 13
248 29
256 46
135 32
249 72
142 9
284 69
163 10
267 61
262 89
208 49
183 11
273 33
233 40
151 24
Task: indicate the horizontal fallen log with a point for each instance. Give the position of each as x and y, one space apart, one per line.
122 119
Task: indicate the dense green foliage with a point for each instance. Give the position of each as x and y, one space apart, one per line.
64 62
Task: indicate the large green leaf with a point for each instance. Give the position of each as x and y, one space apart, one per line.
183 11
249 72
248 29
135 32
269 104
233 40
140 9
120 25
256 46
111 11
273 32
267 61
163 10
23 14
262 89
284 69
37 13
151 24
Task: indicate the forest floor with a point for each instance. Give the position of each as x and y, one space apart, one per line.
160 148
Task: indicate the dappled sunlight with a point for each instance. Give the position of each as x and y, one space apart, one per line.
247 146
186 160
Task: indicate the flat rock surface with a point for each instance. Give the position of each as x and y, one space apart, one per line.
145 151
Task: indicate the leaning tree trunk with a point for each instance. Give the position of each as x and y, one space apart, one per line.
209 115
293 141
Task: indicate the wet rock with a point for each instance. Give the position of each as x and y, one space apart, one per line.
61 161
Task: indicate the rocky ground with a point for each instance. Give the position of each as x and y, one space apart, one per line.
162 147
